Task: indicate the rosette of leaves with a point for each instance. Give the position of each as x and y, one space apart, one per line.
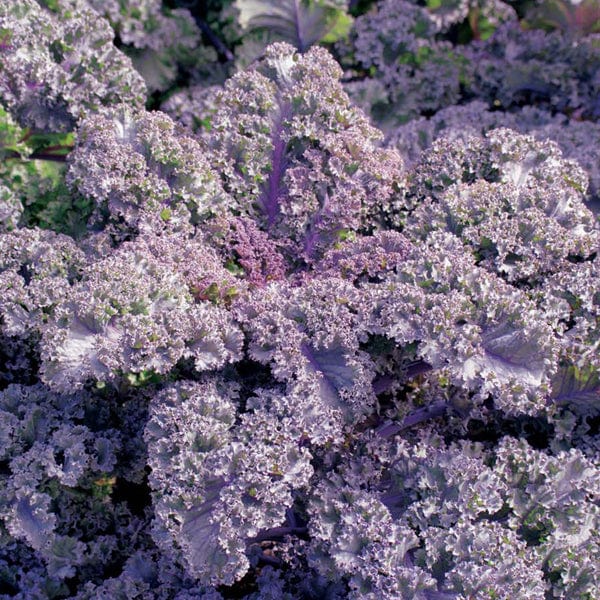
58 64
296 156
539 236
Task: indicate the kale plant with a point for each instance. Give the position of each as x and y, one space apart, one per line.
252 346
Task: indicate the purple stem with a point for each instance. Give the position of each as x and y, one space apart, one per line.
438 595
417 367
433 411
299 41
215 41
291 518
312 235
272 561
309 242
384 383
277 533
196 9
273 188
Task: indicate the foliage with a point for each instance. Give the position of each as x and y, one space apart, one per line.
299 22
408 69
59 64
159 41
253 347
577 19
549 69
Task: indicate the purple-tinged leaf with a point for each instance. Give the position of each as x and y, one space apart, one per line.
334 372
274 188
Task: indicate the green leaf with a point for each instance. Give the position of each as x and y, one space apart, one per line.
299 22
340 29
